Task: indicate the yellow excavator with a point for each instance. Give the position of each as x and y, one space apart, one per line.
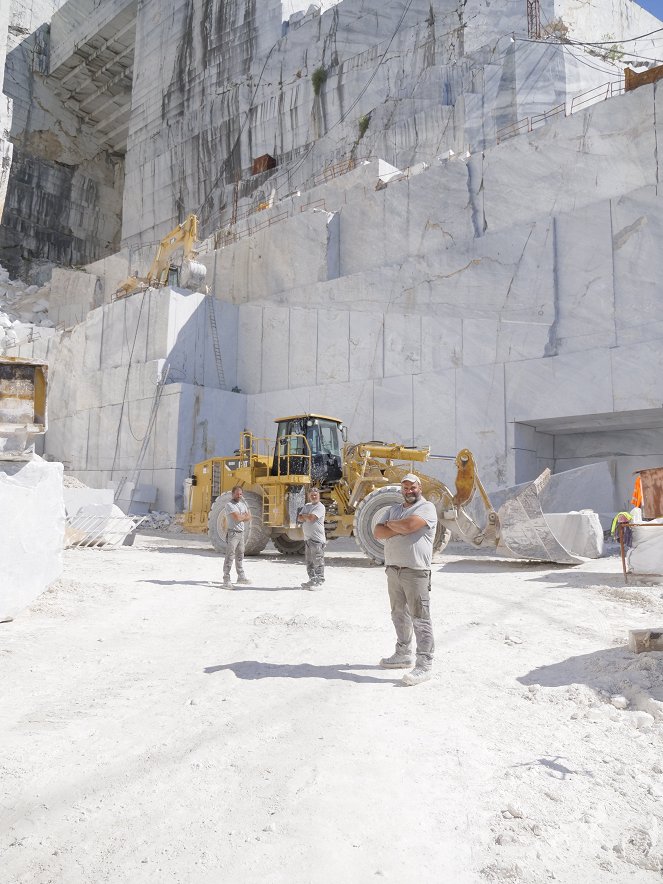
188 273
357 482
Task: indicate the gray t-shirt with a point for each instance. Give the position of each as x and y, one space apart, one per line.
238 507
411 550
314 530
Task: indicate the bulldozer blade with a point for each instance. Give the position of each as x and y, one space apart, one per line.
525 533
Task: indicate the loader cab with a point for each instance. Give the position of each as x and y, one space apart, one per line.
309 441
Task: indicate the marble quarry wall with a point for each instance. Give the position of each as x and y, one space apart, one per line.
525 329
210 87
531 336
113 419
5 109
500 294
431 76
63 194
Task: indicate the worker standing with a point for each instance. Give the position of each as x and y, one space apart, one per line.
312 518
408 531
237 514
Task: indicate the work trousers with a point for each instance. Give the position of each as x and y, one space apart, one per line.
409 594
234 552
314 556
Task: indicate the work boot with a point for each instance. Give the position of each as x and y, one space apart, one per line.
416 676
397 661
244 581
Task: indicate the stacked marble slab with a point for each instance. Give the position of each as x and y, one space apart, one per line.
137 395
509 305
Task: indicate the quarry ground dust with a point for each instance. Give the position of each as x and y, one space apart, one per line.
157 727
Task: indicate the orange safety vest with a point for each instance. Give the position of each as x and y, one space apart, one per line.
636 500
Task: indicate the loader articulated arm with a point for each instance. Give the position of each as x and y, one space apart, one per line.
467 482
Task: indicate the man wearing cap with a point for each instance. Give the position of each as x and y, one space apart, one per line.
408 530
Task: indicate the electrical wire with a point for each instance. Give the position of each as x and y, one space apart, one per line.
581 44
286 175
620 42
360 94
239 135
593 67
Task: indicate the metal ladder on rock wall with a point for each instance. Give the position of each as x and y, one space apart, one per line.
215 340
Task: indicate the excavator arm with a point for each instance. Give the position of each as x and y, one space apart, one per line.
182 237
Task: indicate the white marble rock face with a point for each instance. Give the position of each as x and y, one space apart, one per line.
464 305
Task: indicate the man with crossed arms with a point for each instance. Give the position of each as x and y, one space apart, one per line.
408 530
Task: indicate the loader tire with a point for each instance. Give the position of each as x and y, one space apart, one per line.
287 546
368 513
257 536
367 516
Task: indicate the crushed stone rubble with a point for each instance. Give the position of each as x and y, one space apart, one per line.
23 308
159 521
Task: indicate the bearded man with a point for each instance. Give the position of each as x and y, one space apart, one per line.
408 530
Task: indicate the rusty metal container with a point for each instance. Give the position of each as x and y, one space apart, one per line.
263 163
632 79
652 492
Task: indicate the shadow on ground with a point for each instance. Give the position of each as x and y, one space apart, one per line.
190 550
217 584
252 669
580 579
554 767
494 566
615 670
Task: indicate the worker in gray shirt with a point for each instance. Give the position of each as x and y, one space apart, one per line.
237 514
408 530
312 519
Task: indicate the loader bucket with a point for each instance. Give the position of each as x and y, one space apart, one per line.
527 533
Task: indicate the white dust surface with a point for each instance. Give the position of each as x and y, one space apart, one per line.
155 727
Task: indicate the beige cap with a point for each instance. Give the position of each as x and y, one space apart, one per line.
411 478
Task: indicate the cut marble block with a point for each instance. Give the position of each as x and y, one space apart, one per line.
303 352
580 533
75 498
646 553
31 541
73 294
589 487
333 346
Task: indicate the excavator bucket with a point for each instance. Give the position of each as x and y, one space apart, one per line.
526 532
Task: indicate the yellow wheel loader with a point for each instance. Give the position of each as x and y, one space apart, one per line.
357 482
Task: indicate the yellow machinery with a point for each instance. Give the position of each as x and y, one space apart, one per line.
357 483
22 406
189 273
